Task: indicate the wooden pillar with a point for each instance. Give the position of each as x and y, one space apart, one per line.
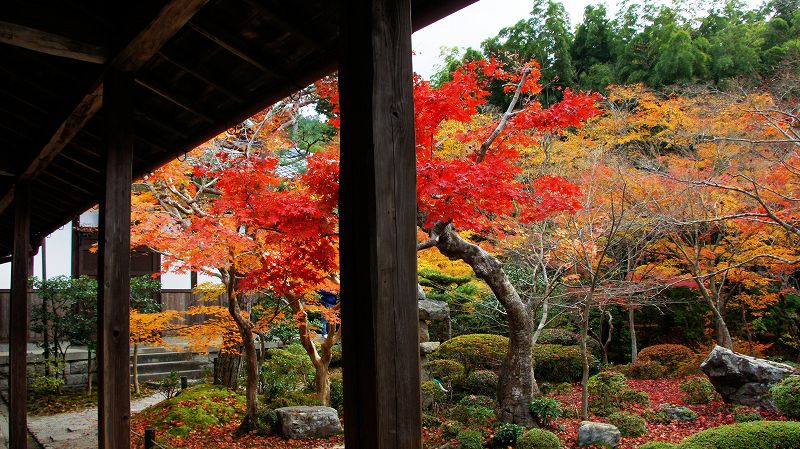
377 228
114 260
20 272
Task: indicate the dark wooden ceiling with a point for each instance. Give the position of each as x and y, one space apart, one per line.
224 61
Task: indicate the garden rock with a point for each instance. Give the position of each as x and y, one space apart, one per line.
428 347
741 379
433 310
590 432
308 422
678 412
420 292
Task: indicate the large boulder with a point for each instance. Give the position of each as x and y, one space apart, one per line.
433 310
590 432
308 422
741 379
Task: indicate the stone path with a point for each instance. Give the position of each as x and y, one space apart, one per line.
76 430
32 444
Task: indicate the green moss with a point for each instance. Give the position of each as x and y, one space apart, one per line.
786 395
556 363
470 439
199 406
538 439
629 424
748 435
474 351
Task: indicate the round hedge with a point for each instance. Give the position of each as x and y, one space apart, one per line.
538 439
786 395
748 435
481 382
629 424
474 351
697 390
671 357
556 363
561 337
446 370
470 439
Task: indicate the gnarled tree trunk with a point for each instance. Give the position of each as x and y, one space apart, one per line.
246 330
321 359
515 388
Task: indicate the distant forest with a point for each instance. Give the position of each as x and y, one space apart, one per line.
685 42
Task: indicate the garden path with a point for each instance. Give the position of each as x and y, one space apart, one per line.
76 430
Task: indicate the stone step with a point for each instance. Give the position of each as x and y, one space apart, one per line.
147 377
166 367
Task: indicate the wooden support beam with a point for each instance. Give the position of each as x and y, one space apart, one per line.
114 265
183 104
20 272
51 44
377 228
172 17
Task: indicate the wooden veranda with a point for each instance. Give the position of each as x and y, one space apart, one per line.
96 92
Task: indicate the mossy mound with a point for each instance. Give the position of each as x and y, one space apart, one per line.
198 406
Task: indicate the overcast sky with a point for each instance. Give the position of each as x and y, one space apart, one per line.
473 24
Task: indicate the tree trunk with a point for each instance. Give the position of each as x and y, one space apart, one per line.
136 388
634 344
515 389
585 359
608 338
320 359
250 420
723 334
227 370
542 323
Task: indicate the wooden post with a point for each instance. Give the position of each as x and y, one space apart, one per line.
113 325
20 272
377 228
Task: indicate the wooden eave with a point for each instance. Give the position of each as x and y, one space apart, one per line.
224 61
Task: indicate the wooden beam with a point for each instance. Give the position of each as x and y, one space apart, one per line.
115 259
167 22
377 229
51 44
20 272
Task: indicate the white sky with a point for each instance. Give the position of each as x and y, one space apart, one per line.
477 22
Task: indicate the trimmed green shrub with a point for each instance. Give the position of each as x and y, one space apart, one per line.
446 370
748 435
337 395
432 395
608 392
644 370
538 439
659 445
451 428
676 359
563 337
786 395
286 371
474 351
507 435
429 420
545 410
632 396
746 414
479 416
629 424
481 382
476 400
556 363
470 439
697 390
